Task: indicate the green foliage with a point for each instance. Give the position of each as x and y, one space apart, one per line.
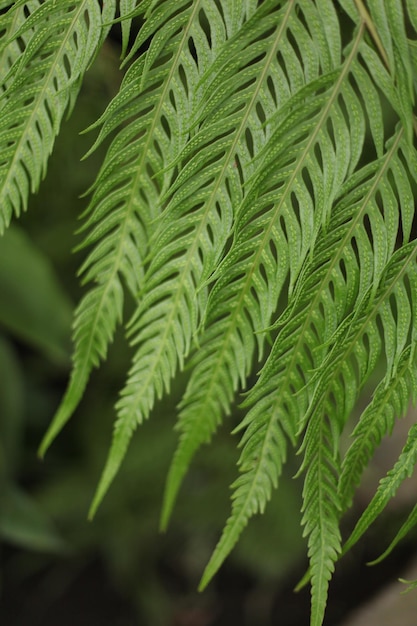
256 205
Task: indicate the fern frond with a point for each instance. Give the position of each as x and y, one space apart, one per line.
242 300
387 488
123 207
327 294
381 318
60 39
339 380
259 169
10 50
195 224
321 506
250 279
272 415
393 394
390 401
253 265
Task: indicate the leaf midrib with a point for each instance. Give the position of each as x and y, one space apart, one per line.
123 228
42 93
205 217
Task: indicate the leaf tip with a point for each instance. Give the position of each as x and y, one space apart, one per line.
47 440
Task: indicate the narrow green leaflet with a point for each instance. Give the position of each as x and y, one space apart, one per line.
387 489
391 400
408 526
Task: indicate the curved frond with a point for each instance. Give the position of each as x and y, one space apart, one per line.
388 487
273 414
391 400
405 529
124 205
168 313
60 40
326 294
256 204
321 507
250 279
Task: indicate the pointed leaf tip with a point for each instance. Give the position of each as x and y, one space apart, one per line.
121 438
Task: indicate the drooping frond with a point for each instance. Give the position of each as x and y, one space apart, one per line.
391 400
406 527
281 397
46 49
192 229
334 396
321 506
250 279
387 489
380 318
126 200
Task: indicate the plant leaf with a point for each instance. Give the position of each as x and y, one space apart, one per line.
40 87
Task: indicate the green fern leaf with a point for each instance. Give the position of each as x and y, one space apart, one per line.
242 300
388 486
392 396
164 326
359 342
253 266
220 89
271 416
390 401
321 507
339 381
339 234
60 41
119 217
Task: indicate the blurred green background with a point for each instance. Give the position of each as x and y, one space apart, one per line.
57 568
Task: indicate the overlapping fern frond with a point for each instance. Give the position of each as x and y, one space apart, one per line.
257 204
